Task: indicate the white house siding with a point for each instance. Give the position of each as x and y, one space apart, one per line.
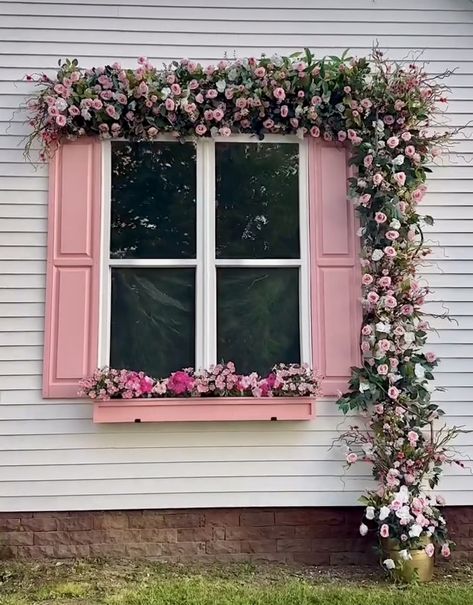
53 457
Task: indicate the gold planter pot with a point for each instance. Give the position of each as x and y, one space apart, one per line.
419 567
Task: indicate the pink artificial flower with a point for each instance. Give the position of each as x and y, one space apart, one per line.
211 93
410 151
97 104
175 89
279 93
393 362
111 111
74 111
268 123
384 281
392 234
393 392
225 131
392 142
399 104
367 161
400 178
365 199
388 119
445 551
366 103
379 408
429 550
315 131
390 252
367 279
61 120
384 344
384 530
431 357
294 122
200 129
367 330
407 310
372 297
417 195
284 111
260 72
352 458
380 218
316 101
378 179
169 104
413 438
390 302
218 115
341 135
383 369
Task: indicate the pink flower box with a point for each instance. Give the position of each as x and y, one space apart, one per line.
209 409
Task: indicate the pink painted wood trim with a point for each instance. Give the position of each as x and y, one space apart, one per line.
204 409
73 267
335 274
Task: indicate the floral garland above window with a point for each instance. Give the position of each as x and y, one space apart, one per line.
383 112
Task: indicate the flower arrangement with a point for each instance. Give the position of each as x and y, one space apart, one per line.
384 112
221 380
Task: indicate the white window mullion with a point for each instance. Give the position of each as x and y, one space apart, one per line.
105 276
304 280
206 320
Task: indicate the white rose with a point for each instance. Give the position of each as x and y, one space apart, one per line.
389 564
369 513
383 327
165 92
395 224
384 513
377 255
363 529
415 530
405 554
61 104
419 370
220 85
398 160
409 337
364 386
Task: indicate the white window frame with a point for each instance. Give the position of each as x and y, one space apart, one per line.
206 263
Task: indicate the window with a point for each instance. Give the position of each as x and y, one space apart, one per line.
205 254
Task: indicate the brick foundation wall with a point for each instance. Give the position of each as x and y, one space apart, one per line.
317 536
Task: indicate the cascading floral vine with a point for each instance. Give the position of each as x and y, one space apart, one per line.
383 112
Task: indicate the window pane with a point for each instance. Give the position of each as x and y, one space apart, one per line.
257 200
153 200
258 317
153 320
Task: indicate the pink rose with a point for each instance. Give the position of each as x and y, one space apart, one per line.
431 357
341 135
390 252
393 393
417 195
200 129
407 310
400 178
315 132
429 550
218 115
110 110
365 199
392 142
61 120
410 151
367 161
406 136
384 282
211 93
225 131
379 408
176 89
260 72
445 551
352 458
383 369
169 104
316 101
279 93
392 234
284 111
372 297
74 111
390 302
378 179
380 217
367 279
384 530
367 330
384 344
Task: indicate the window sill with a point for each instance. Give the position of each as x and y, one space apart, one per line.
209 409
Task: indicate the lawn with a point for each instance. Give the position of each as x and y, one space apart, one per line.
106 583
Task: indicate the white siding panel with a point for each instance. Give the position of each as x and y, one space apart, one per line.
53 457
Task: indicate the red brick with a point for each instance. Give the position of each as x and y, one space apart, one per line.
111 521
18 538
75 523
222 546
255 533
40 524
258 546
256 518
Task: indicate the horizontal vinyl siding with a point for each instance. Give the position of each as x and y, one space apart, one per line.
52 455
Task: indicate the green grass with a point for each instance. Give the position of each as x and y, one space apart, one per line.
132 583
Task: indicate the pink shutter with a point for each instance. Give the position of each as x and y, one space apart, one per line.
335 284
72 286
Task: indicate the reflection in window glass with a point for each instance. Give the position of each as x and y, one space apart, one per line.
257 194
153 320
153 200
258 317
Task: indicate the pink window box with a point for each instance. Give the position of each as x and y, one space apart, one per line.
204 409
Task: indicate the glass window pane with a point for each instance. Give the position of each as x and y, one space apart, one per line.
153 200
258 317
257 194
153 320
